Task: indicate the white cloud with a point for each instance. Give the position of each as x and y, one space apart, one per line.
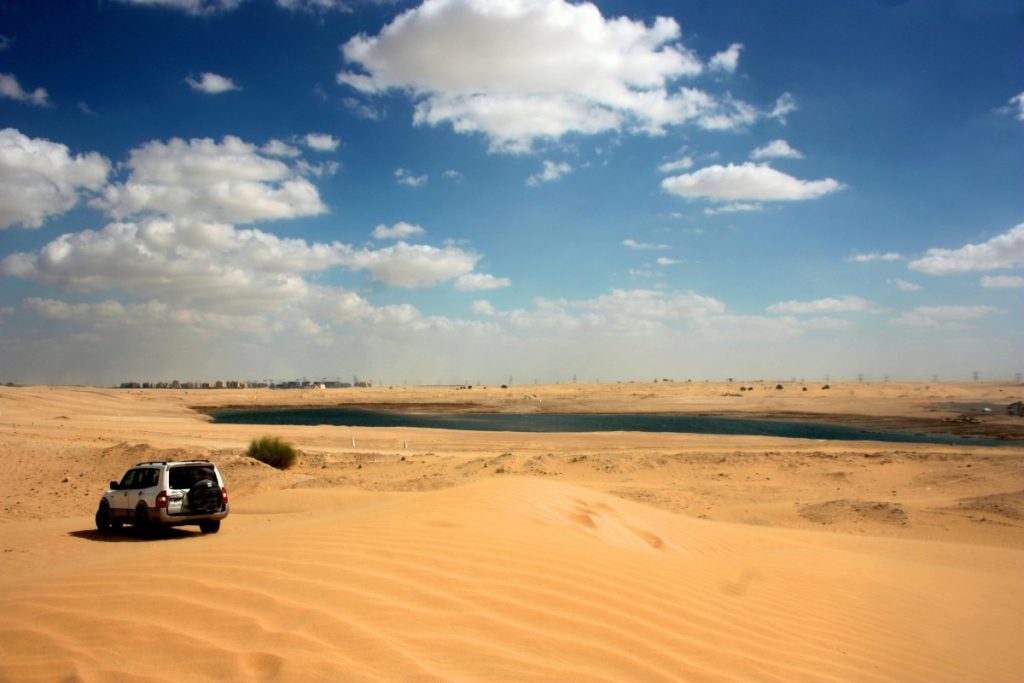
619 311
414 265
905 286
946 317
278 148
843 304
204 180
361 109
784 106
5 42
326 168
633 244
39 178
726 60
1003 251
314 5
776 149
405 177
321 142
666 261
213 275
482 307
524 70
680 164
11 89
398 231
212 84
1002 281
472 282
453 175
748 181
551 172
194 7
875 256
212 265
1016 105
734 207
644 272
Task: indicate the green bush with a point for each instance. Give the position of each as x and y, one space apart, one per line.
272 451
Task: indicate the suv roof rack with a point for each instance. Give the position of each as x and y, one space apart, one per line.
170 462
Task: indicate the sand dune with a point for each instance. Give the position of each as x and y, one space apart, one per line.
483 557
517 579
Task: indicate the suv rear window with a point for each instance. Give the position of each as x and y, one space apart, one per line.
186 476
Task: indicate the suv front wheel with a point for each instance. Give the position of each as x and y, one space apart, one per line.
105 520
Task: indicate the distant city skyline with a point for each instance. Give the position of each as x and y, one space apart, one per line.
468 190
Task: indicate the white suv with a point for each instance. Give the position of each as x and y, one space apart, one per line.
153 495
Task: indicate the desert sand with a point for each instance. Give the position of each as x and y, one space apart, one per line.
395 554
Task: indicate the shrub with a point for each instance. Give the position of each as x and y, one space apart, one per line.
272 451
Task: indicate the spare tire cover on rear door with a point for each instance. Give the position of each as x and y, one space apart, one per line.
205 496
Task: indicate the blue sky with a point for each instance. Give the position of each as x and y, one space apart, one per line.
467 190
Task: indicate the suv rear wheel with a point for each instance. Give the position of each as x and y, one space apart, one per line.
142 524
209 526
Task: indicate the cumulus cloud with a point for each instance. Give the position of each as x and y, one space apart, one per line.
746 182
414 265
453 175
667 261
214 265
630 311
201 179
405 177
212 84
472 282
217 265
398 231
727 60
40 178
843 304
775 149
11 89
1002 281
194 7
875 256
947 317
1002 251
524 70
551 172
482 307
321 142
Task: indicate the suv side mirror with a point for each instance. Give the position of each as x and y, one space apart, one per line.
114 486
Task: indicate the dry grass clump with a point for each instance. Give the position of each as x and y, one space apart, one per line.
272 451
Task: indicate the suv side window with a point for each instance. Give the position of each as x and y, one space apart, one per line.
128 481
148 478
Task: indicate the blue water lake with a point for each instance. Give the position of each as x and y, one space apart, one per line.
585 422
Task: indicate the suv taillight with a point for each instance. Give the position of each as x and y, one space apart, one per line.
161 499
224 495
